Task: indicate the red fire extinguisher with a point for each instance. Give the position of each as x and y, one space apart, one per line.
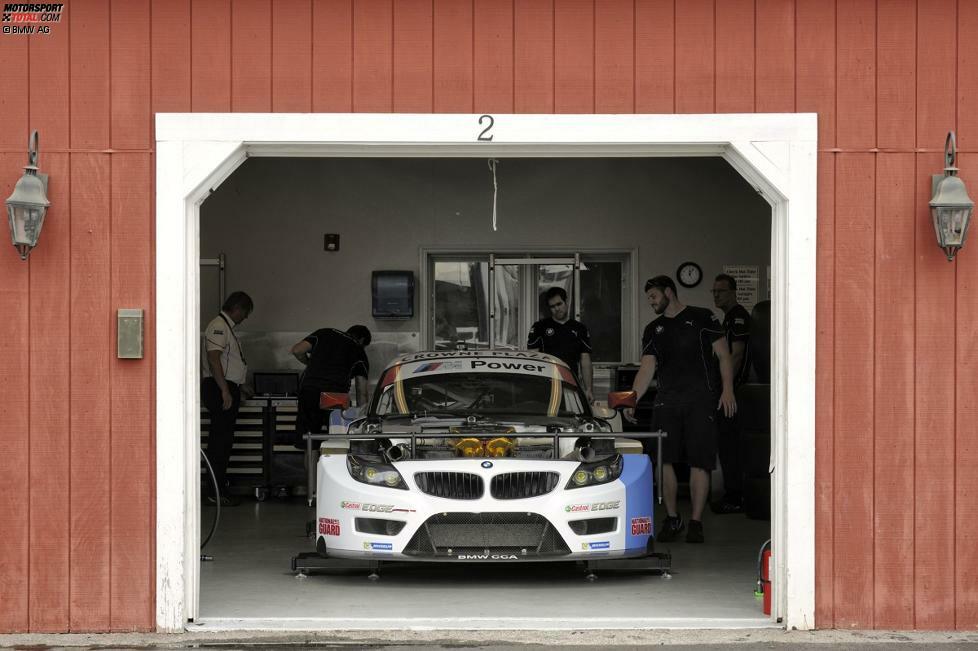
764 576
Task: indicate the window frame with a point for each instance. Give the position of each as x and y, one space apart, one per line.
629 299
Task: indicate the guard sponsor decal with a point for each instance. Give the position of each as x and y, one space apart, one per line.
604 544
487 557
378 547
595 506
641 526
329 526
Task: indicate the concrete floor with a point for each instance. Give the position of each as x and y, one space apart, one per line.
249 584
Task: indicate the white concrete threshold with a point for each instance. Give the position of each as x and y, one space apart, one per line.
456 624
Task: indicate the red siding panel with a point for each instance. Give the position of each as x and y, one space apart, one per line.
775 56
90 383
695 57
412 56
825 395
967 78
14 414
332 56
131 278
896 77
614 57
372 54
735 56
894 391
853 386
856 69
493 56
966 425
452 56
816 93
89 66
130 65
936 52
934 564
534 60
291 56
655 56
50 348
251 56
574 58
49 91
13 99
170 52
210 56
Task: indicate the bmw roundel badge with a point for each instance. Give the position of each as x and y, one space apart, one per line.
487 464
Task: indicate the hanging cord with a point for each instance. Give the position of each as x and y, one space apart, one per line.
495 190
217 499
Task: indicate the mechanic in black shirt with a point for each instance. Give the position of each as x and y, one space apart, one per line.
565 338
332 358
736 326
686 346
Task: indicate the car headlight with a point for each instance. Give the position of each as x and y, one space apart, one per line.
374 473
596 472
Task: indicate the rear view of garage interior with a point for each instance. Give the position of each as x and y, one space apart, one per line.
627 218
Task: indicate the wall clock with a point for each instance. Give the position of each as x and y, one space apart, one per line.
689 274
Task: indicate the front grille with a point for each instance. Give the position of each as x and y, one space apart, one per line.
593 525
522 534
520 485
451 485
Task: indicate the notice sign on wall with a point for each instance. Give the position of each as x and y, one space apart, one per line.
747 277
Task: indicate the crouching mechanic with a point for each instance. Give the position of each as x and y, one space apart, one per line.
687 346
332 358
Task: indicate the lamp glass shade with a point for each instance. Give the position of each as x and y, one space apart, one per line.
26 208
951 210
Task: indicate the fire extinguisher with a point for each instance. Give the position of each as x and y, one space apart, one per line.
763 589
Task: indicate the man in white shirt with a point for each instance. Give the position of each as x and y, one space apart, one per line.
224 370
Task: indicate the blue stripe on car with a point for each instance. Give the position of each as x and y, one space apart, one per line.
636 474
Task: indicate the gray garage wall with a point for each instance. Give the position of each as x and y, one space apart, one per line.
269 218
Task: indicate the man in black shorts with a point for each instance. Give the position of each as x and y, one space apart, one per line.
565 338
695 378
332 358
736 327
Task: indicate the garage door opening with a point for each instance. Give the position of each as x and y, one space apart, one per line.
197 160
595 227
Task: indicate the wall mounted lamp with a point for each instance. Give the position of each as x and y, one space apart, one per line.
27 205
950 205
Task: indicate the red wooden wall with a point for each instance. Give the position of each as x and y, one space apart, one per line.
897 377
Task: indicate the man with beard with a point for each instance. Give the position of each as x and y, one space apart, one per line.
565 338
686 345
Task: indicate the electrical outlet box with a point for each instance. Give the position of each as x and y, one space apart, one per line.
130 333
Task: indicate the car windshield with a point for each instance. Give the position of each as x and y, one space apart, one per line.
467 393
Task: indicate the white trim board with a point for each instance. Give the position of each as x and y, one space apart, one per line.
775 153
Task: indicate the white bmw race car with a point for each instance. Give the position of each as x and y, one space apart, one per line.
482 456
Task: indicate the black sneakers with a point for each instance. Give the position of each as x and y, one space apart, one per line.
670 529
695 532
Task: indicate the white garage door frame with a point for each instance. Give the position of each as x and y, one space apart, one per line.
775 153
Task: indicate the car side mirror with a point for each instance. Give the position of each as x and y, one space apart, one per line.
622 399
